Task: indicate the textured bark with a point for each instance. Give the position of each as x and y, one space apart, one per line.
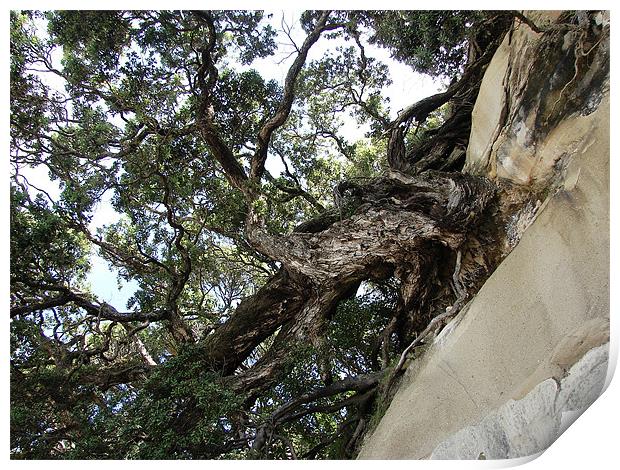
411 226
255 319
397 226
307 326
444 148
391 215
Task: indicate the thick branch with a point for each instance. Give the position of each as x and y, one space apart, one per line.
390 216
233 170
67 296
37 306
206 78
421 109
447 147
254 320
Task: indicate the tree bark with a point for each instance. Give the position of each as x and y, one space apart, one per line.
397 224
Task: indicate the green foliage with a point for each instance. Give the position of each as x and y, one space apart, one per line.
144 423
43 247
243 101
348 344
366 161
97 36
29 97
356 325
433 42
45 407
110 104
149 423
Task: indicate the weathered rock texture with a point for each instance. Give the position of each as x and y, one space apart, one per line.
530 346
537 99
531 424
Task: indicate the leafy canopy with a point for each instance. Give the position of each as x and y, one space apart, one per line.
135 108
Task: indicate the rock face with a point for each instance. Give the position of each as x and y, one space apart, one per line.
537 99
531 424
529 352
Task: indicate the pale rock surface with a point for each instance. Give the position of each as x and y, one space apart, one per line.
513 137
531 424
528 353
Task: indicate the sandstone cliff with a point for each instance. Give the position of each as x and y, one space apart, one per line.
529 352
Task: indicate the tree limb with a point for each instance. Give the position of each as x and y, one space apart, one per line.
264 135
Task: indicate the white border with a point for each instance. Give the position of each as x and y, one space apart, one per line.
589 443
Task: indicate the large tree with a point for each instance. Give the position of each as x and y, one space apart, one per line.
270 308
